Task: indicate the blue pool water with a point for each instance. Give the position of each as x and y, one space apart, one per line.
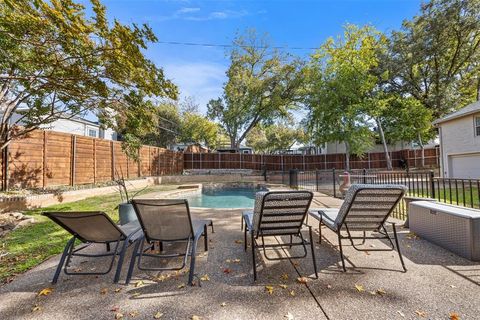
224 198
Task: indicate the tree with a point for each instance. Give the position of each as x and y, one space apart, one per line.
434 57
197 128
263 85
168 125
57 63
342 85
273 138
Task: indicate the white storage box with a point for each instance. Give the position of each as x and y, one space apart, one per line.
451 227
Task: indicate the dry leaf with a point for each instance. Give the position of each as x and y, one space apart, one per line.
292 293
283 286
401 313
133 314
420 313
302 280
104 291
295 263
158 315
269 289
238 241
223 304
284 276
381 291
359 288
118 290
36 308
45 292
452 286
329 286
228 261
136 294
205 278
289 316
161 278
195 317
138 283
118 315
181 285
227 270
454 316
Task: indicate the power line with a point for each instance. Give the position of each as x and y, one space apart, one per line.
230 45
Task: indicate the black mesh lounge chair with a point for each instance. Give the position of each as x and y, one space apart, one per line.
90 228
278 213
168 221
366 208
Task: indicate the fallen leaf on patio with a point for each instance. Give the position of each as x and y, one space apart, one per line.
181 285
452 286
401 314
223 304
381 291
283 286
372 245
118 315
329 286
359 288
227 270
104 291
373 293
161 278
236 260
138 283
45 292
269 289
295 263
133 314
289 316
228 261
158 315
195 317
136 294
238 241
118 290
205 278
36 308
292 293
422 314
284 276
454 316
303 280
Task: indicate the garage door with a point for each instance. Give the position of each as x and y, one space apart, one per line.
465 166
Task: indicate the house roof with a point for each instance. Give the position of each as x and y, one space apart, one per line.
465 111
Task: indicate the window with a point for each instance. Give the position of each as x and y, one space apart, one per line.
92 132
477 126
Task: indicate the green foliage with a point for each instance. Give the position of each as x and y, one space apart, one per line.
263 85
196 128
273 138
168 126
56 62
435 56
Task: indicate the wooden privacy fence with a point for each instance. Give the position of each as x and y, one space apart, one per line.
46 158
374 160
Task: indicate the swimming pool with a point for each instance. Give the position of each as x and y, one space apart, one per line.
224 197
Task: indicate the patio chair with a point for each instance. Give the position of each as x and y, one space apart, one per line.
366 208
278 213
90 228
168 221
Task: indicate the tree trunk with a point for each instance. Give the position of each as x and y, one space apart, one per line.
422 147
384 143
347 156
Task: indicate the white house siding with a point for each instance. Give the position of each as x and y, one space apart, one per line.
460 148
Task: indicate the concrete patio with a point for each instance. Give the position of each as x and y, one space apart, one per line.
438 284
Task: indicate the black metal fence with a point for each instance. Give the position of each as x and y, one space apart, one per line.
421 184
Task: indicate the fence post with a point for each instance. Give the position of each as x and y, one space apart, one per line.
293 178
113 159
364 175
74 155
334 183
44 165
317 180
432 183
94 156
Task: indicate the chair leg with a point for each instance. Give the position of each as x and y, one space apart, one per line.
211 225
341 251
192 262
120 261
398 247
312 247
68 246
253 257
291 239
245 239
319 232
132 260
205 237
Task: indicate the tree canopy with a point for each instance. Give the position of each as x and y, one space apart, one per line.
57 62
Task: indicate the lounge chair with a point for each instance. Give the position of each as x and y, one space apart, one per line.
366 208
168 221
90 228
278 213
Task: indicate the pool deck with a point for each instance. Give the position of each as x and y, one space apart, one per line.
437 284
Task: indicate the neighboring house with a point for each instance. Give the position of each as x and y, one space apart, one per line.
243 149
79 126
460 142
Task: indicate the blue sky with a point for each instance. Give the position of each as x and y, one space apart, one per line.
200 71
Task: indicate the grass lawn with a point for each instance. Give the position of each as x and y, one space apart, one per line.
471 196
28 246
